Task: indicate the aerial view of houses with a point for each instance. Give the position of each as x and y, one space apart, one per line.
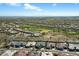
39 29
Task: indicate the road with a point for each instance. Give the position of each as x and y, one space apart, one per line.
10 52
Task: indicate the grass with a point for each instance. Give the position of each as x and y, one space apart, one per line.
39 28
72 33
35 28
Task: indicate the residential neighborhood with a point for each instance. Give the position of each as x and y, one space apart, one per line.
38 39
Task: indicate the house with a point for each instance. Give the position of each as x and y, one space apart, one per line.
30 44
40 45
35 53
11 45
46 54
60 46
17 44
77 47
27 35
73 47
23 44
13 32
66 45
50 45
36 34
21 53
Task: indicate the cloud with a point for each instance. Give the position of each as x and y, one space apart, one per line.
31 7
54 4
26 6
14 4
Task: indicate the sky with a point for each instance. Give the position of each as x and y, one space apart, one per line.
39 9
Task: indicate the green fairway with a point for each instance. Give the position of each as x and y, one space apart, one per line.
34 28
40 28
